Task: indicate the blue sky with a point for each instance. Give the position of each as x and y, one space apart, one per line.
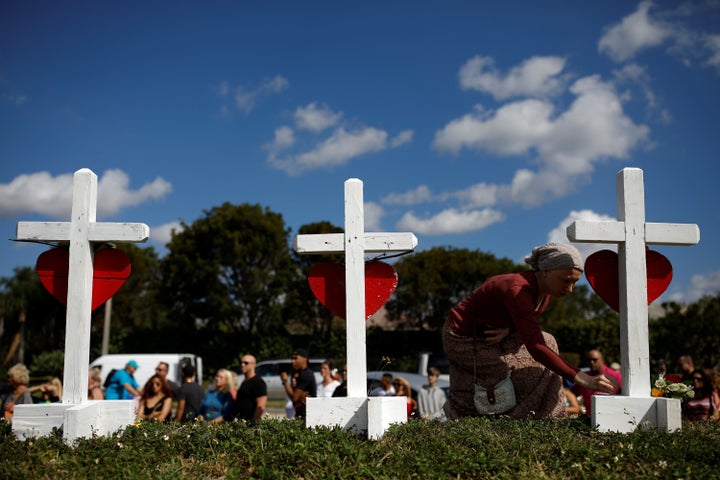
481 125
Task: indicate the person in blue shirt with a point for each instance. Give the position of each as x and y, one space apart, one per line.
217 404
123 385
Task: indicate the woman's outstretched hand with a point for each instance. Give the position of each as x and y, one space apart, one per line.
596 383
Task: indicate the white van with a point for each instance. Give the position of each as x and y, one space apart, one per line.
147 363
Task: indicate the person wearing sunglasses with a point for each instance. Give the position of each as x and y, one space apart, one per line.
403 389
596 362
156 400
251 398
702 406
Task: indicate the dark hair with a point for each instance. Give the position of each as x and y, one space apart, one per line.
188 371
707 388
164 387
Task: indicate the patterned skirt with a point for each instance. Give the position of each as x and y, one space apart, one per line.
538 390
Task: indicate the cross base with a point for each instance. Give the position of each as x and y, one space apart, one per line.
361 415
94 417
626 414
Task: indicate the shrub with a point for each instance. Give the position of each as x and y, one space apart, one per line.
471 448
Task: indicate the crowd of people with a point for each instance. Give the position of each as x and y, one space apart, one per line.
164 400
491 339
160 399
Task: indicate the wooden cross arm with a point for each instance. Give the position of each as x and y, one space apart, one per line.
98 232
614 232
374 243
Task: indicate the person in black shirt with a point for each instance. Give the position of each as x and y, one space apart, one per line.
302 384
190 396
251 398
341 391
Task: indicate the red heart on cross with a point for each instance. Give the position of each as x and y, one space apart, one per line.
111 267
601 270
327 281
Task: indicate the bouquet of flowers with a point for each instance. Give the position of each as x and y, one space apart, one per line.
672 390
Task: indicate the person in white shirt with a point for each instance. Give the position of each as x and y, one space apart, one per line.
386 388
432 398
328 384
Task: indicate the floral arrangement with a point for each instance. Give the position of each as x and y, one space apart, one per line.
663 388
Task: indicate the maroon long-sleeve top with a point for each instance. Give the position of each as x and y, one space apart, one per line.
510 301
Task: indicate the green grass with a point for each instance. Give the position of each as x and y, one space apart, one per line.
271 449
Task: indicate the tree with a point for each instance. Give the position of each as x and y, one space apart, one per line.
691 330
581 321
31 317
136 301
135 307
228 272
433 281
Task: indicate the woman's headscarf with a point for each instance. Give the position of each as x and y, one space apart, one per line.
554 256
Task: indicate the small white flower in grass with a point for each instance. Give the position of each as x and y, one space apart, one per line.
662 464
120 445
166 438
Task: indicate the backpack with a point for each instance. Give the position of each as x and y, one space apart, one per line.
109 378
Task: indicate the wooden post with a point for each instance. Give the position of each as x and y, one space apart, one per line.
354 243
632 234
81 232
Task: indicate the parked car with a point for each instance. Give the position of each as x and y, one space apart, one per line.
416 381
270 371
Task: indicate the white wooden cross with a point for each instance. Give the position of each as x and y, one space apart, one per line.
81 232
632 233
355 242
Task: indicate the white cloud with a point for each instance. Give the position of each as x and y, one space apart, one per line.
334 148
450 221
15 98
704 285
637 31
402 138
535 77
44 194
316 119
114 192
338 149
713 44
514 128
559 233
634 75
568 144
479 195
373 215
284 139
245 99
650 26
700 286
342 146
419 194
162 234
